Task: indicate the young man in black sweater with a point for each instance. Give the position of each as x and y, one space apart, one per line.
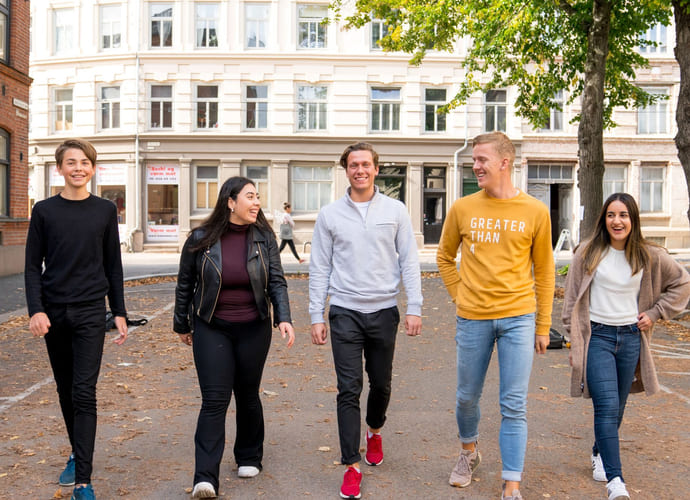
72 262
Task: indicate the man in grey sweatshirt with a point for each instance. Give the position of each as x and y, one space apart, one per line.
362 245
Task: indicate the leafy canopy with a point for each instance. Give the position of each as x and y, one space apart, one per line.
540 47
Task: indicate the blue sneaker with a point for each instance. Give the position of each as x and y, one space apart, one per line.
83 493
67 476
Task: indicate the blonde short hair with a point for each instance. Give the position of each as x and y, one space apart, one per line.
504 146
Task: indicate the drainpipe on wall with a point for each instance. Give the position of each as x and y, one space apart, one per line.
455 159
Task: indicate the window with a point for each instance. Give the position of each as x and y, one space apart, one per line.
433 100
469 181
161 25
256 27
110 107
4 173
550 173
379 29
64 30
311 30
4 31
614 180
111 32
161 106
654 40
311 107
63 110
207 16
495 110
555 122
652 189
652 119
385 109
207 106
206 187
259 174
311 188
391 181
256 102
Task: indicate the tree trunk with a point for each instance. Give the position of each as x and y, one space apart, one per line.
682 51
590 133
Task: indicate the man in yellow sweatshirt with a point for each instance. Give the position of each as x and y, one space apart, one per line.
503 291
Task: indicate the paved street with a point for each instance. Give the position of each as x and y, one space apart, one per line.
149 399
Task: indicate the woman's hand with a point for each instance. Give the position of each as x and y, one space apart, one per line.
186 338
643 322
286 329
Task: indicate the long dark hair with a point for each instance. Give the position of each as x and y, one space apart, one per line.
216 224
636 252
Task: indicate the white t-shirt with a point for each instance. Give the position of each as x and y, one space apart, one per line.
614 292
363 207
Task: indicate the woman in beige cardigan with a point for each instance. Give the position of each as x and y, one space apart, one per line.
618 285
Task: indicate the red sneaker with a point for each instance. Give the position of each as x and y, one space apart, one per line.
374 454
351 482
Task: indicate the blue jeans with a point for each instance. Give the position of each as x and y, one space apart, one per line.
514 338
611 361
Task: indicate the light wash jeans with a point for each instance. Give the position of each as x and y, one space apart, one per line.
514 338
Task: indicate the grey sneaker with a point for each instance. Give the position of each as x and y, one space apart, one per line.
467 463
515 496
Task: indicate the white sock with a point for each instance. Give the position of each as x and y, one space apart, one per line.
369 433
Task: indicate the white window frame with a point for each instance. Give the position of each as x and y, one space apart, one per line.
5 152
162 101
656 190
62 108
312 110
209 104
316 32
306 180
5 23
63 30
440 121
494 107
110 19
261 182
112 106
378 29
206 181
255 22
658 34
654 119
555 114
615 180
208 25
384 109
155 7
261 108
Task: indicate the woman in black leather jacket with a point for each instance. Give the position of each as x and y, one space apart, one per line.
230 272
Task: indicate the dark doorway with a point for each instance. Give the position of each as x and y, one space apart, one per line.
434 203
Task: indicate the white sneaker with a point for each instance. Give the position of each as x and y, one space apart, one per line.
616 489
598 472
203 490
247 471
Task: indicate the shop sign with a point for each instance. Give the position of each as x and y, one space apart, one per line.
163 174
111 174
155 232
55 178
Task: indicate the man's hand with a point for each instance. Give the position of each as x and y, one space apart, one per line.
286 329
541 342
319 333
39 324
121 325
413 325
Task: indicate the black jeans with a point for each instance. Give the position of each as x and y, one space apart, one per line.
353 334
291 243
229 357
75 348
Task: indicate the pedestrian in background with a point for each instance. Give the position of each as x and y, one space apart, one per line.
506 275
286 227
72 262
619 284
362 244
230 274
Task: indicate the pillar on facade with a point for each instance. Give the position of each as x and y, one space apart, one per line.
185 206
415 189
279 186
229 167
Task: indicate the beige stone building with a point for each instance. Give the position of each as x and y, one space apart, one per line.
179 95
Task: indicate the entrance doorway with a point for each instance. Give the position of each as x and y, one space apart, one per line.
558 198
434 203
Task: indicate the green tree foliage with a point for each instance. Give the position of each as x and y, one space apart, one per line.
586 48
